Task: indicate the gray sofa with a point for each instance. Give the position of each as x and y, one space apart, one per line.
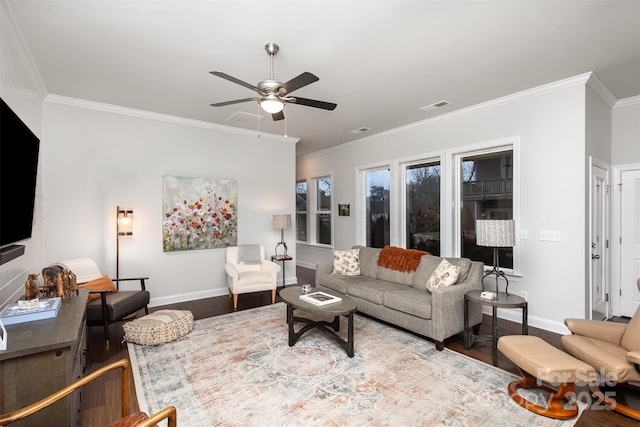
402 299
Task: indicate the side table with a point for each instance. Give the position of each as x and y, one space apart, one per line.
504 300
284 259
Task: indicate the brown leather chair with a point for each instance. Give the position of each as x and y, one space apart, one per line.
113 305
138 419
613 349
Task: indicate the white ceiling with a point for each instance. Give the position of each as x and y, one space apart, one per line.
380 61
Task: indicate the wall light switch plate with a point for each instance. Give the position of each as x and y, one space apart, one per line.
550 236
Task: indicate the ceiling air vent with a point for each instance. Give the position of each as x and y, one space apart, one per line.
436 105
360 130
242 118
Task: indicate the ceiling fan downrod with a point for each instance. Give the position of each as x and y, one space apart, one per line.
272 50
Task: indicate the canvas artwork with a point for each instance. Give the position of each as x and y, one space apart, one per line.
199 213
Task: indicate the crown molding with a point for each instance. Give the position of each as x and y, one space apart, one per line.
602 91
116 109
627 102
579 80
25 64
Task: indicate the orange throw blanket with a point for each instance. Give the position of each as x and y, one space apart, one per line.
400 259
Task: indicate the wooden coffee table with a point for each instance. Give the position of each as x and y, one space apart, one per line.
347 307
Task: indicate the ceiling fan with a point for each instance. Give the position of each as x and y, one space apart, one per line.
274 94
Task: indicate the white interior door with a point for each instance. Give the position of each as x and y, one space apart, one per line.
630 244
598 271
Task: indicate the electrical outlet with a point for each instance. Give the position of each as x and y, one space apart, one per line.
550 236
524 234
525 295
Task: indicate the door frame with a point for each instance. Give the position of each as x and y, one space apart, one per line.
606 245
616 234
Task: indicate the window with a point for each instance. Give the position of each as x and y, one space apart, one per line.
301 211
323 210
377 216
422 196
486 192
313 211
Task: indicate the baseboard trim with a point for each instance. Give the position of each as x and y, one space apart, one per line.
515 315
191 296
305 264
209 293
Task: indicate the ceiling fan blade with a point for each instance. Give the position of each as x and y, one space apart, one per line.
236 81
300 81
313 103
278 116
236 101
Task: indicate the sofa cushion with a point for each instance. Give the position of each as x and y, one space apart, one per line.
389 275
428 264
368 261
346 262
465 266
372 290
409 300
445 274
337 282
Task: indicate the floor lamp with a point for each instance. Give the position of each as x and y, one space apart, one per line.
496 233
124 227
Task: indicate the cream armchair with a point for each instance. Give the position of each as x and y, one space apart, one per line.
613 349
249 272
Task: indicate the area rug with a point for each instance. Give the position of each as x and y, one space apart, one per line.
238 370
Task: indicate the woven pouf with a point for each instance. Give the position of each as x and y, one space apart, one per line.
159 327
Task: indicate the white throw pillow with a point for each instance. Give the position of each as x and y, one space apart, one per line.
445 274
346 262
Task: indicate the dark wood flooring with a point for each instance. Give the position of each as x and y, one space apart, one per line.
101 398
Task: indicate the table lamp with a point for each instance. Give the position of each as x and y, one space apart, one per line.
282 222
496 233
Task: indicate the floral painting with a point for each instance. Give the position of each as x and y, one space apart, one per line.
198 213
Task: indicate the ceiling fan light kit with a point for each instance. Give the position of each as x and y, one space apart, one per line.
271 104
273 94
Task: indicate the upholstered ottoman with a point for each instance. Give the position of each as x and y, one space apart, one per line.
539 361
159 327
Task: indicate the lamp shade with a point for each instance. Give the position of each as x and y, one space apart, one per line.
282 222
125 221
496 233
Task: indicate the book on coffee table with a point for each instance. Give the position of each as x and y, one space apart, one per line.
320 298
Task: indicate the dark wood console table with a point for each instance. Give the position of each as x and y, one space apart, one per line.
43 357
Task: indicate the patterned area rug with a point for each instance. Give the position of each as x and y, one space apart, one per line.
238 370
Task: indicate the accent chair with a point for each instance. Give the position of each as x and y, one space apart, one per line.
107 303
613 349
246 275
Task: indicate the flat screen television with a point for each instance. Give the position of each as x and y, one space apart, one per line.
19 148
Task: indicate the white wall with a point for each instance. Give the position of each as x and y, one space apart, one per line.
22 89
626 132
551 125
97 160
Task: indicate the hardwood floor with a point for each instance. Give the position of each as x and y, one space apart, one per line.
101 400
